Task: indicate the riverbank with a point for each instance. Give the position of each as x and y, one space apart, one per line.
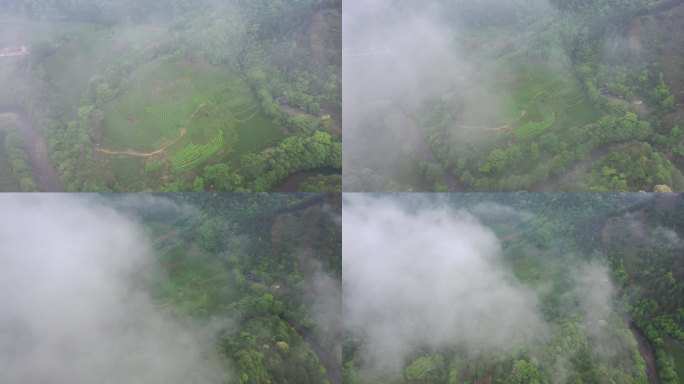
645 349
36 150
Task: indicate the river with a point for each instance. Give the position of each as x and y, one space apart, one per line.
645 349
36 150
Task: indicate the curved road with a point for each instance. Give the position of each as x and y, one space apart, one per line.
36 150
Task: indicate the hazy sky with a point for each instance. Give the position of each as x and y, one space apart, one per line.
73 306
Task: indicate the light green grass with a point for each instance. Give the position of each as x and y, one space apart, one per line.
151 113
90 50
677 351
213 105
160 100
255 134
549 96
515 90
128 171
196 283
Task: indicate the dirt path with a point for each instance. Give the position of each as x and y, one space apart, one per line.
294 110
246 119
36 149
156 152
133 153
15 54
523 113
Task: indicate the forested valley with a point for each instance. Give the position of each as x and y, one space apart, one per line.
267 266
171 288
170 95
506 95
514 288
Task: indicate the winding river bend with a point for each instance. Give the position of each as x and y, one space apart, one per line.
36 150
645 349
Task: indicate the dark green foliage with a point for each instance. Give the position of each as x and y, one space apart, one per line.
644 248
278 48
332 183
14 148
638 235
637 167
426 370
249 262
551 143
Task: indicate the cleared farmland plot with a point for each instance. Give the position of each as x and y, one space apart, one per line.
137 103
174 115
178 115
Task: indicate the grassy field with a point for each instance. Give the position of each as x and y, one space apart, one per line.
90 50
127 172
178 115
84 50
515 91
196 284
166 120
677 351
255 133
529 97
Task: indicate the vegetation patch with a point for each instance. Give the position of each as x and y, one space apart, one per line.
186 113
533 128
8 182
147 96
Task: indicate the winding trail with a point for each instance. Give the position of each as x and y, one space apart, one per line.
132 153
523 113
246 119
36 150
13 54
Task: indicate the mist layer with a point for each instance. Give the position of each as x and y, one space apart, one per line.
431 278
73 308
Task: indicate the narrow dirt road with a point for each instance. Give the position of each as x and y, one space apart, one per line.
156 152
523 113
133 153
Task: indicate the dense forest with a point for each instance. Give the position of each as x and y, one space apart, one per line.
171 288
598 277
175 96
266 266
534 95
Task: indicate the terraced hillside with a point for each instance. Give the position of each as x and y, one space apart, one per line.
147 96
177 116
